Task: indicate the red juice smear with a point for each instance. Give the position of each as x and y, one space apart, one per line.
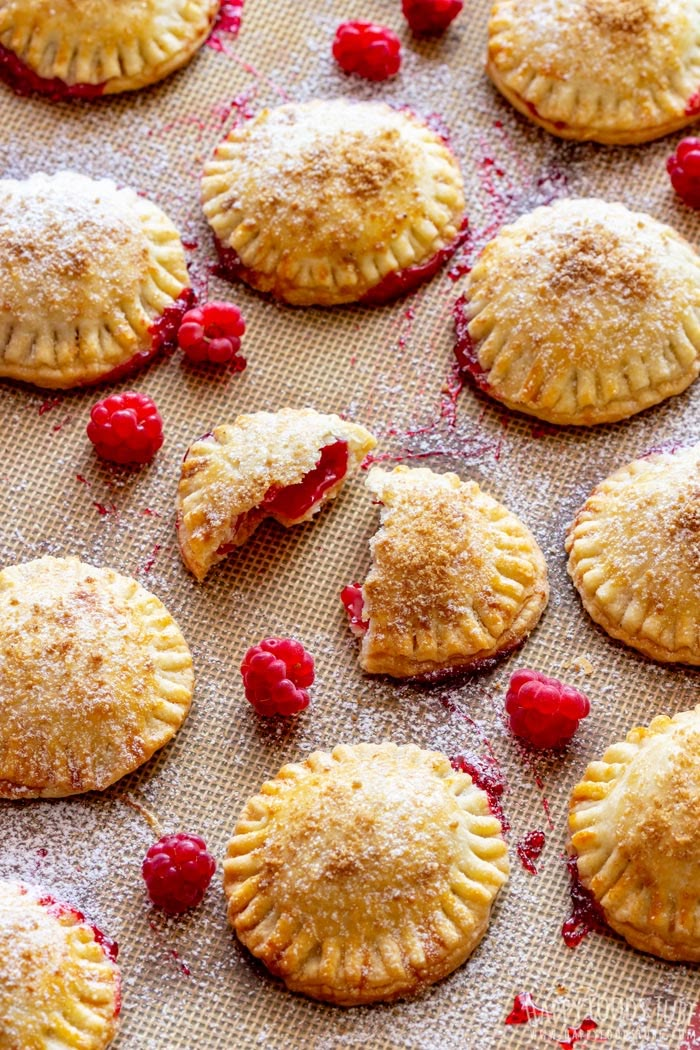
104 509
47 406
228 21
465 350
401 282
529 849
587 916
152 560
172 952
24 81
691 1039
577 1035
82 480
524 1010
487 775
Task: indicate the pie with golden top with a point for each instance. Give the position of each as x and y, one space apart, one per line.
635 833
60 987
94 677
330 202
614 71
87 48
456 578
365 874
582 312
634 555
89 277
283 465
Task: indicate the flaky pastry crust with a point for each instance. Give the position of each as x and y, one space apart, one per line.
634 555
59 989
614 71
365 874
118 44
227 473
456 578
95 676
634 829
320 201
85 271
584 312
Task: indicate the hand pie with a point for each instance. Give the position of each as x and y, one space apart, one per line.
615 71
92 279
59 982
634 555
283 465
456 578
94 677
582 312
365 874
636 835
98 47
334 201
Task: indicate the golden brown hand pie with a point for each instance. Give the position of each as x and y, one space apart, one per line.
87 48
582 312
636 835
59 983
90 278
365 874
634 555
94 677
456 578
615 71
333 202
283 465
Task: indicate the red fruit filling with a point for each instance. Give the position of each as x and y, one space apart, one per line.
351 597
465 351
212 333
126 428
543 710
524 1010
487 775
587 916
24 81
275 675
177 871
293 501
430 17
683 167
368 50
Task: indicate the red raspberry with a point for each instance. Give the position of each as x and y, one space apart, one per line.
684 168
430 17
212 333
275 672
126 428
177 870
370 50
542 710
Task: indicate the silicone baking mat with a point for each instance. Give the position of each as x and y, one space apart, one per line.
186 981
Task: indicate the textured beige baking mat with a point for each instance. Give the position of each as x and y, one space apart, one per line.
186 982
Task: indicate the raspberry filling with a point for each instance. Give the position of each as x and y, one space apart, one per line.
351 597
24 81
465 350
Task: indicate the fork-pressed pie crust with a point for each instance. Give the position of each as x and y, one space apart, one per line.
118 45
634 555
59 988
636 835
94 677
227 473
320 202
615 71
364 874
456 577
86 270
582 312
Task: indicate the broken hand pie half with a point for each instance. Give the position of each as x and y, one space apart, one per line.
66 49
634 555
365 874
59 982
614 71
582 312
283 465
94 677
333 201
92 279
635 833
456 578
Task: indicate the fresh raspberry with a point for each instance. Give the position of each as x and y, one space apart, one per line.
367 49
126 428
275 672
177 870
212 333
542 710
684 168
430 17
